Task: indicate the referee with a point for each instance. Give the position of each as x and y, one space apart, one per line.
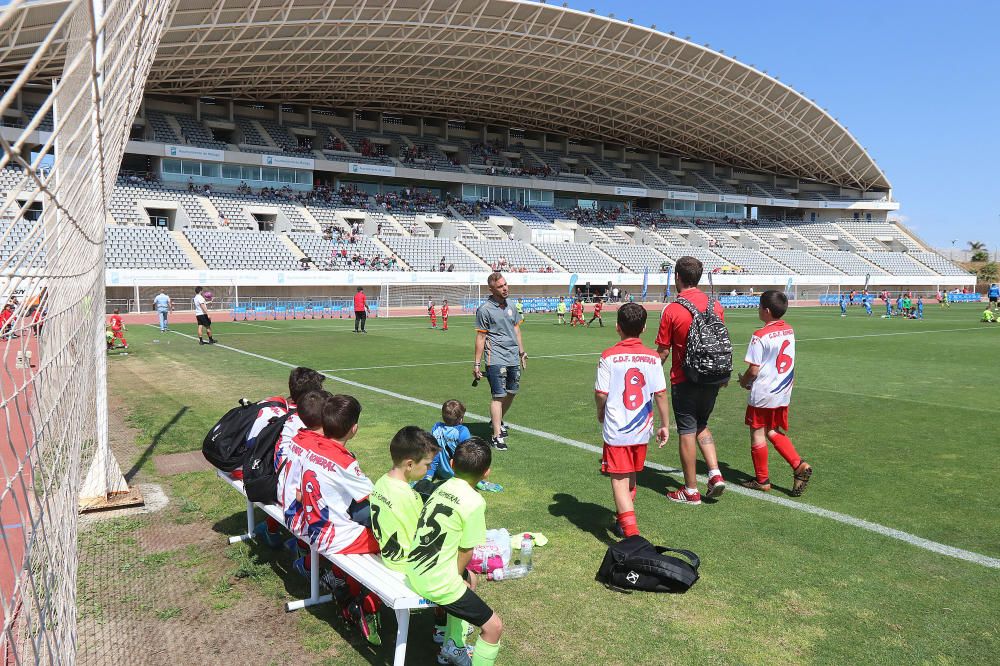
498 339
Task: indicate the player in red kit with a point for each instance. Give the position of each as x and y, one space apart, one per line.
598 306
118 328
444 314
432 311
576 314
769 378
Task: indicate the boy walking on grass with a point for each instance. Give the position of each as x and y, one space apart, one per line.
452 523
629 381
769 378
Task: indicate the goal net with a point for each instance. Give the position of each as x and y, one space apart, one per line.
73 74
412 299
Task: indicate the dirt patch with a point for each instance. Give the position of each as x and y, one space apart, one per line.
180 463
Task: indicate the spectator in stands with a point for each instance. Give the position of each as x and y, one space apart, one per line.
498 330
692 403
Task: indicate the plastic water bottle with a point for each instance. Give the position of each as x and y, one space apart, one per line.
509 573
489 487
527 548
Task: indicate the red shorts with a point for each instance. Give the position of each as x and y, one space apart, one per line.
624 459
769 418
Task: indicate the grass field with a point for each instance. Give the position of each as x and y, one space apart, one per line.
897 417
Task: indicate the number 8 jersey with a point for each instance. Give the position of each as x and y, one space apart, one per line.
772 349
630 375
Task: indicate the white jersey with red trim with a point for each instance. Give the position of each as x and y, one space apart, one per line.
772 349
316 486
629 374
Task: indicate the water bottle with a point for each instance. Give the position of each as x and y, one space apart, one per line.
527 546
509 573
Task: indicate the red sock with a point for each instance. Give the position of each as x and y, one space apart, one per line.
272 525
759 455
784 446
628 523
307 562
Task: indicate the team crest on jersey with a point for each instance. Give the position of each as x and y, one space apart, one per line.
510 313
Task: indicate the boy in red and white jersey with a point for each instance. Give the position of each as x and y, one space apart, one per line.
444 314
769 378
118 328
432 312
629 381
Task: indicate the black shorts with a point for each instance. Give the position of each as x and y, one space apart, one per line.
470 608
693 404
360 314
993 299
203 320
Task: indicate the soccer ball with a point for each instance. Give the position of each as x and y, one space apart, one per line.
208 295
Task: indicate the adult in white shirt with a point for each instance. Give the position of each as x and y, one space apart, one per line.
163 306
201 314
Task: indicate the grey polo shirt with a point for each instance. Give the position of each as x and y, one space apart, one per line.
499 324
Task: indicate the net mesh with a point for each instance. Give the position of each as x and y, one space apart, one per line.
66 118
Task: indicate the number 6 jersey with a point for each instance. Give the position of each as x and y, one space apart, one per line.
630 375
772 349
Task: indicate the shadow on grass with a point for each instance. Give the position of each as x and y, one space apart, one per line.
484 430
587 516
279 562
145 455
738 477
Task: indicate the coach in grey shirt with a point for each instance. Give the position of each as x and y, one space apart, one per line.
498 339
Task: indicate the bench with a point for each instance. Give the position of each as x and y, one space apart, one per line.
388 585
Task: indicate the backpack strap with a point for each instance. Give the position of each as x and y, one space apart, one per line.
695 560
688 305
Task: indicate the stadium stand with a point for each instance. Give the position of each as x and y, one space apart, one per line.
248 132
144 247
878 236
751 261
17 247
197 133
515 255
848 262
242 250
161 128
896 263
578 258
937 263
29 112
636 258
361 255
801 262
710 260
128 191
426 254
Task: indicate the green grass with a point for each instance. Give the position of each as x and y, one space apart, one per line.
899 428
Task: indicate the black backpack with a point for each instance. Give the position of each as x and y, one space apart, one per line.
636 564
709 355
225 445
260 478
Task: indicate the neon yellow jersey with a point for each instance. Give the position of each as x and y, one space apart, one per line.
520 307
395 510
454 517
561 308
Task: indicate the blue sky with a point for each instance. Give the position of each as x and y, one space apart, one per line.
918 84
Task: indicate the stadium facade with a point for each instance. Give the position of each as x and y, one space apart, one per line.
302 147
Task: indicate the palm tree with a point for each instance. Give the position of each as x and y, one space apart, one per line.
979 252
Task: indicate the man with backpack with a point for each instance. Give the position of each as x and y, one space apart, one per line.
694 333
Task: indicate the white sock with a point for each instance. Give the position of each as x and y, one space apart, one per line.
714 472
691 491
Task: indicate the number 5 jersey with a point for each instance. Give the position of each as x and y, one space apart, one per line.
630 375
772 349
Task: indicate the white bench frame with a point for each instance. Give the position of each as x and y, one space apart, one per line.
390 586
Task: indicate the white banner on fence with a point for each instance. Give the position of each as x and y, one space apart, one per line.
631 191
733 198
687 196
194 152
372 169
285 161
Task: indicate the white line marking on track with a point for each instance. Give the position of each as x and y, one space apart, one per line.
252 323
892 533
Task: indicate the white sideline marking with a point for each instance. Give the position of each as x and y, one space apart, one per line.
906 537
421 365
251 323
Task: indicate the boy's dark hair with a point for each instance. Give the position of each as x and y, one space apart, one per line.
301 381
310 408
340 414
116 311
632 319
472 457
775 301
412 443
452 412
689 270
197 290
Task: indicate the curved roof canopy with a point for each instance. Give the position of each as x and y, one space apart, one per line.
511 62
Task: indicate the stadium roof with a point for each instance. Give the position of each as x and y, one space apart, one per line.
521 64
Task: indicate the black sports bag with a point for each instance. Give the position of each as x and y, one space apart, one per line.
636 564
225 445
260 478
